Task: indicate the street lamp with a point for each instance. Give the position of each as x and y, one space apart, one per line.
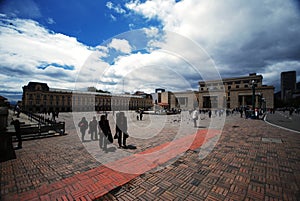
253 98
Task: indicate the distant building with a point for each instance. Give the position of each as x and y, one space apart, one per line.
38 97
235 92
288 85
227 93
3 101
186 100
168 100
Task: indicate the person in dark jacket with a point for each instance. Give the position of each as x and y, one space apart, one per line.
93 129
17 126
121 129
83 125
105 134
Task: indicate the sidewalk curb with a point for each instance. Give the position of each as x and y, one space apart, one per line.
265 120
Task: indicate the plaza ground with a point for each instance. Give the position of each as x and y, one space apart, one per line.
243 159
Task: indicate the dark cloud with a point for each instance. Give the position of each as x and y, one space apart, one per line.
19 71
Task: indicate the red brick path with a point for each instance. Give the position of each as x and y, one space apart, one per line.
99 181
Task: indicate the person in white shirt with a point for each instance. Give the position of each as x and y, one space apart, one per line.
195 116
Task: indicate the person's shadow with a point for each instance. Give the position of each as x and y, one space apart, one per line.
108 149
111 149
201 126
130 146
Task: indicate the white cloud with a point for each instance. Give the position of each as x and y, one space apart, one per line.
50 21
151 32
25 45
167 67
109 4
235 33
151 9
120 45
113 17
117 8
241 37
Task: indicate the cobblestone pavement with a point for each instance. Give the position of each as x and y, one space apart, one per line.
252 160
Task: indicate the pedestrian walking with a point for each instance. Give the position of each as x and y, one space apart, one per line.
141 115
93 129
209 114
195 116
53 116
83 125
18 109
105 133
241 112
121 129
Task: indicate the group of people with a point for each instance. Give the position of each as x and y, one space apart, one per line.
105 134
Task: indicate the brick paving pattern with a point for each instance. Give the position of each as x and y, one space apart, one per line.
241 167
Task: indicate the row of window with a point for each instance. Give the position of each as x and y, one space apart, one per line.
229 84
81 100
45 97
228 87
133 103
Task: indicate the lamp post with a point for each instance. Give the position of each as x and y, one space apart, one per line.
253 98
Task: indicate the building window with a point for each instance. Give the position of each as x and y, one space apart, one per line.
229 87
237 86
246 86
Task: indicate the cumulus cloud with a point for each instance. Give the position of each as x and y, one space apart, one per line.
32 52
120 45
194 40
176 64
241 37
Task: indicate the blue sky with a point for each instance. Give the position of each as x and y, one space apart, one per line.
144 44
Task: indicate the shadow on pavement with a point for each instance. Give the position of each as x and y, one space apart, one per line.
130 147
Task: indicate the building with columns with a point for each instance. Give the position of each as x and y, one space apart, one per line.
38 97
235 93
